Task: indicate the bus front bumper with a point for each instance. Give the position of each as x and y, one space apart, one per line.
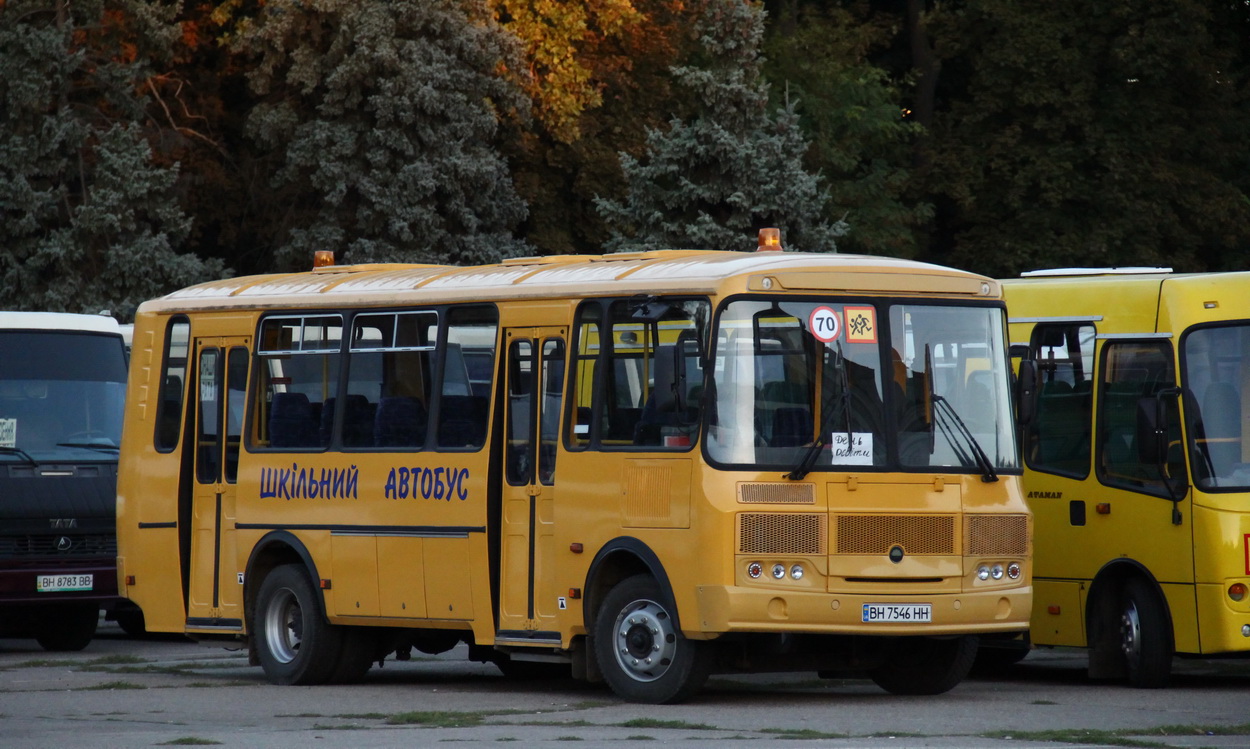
725 609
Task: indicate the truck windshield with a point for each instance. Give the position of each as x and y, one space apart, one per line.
848 385
61 396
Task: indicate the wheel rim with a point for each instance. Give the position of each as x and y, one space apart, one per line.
1130 632
284 626
645 640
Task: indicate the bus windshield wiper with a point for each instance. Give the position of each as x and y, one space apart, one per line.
944 414
805 465
101 446
19 452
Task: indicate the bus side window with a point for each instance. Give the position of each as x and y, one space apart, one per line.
468 374
1059 438
585 365
1132 371
173 392
298 378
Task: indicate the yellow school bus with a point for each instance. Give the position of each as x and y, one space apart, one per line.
639 468
1135 466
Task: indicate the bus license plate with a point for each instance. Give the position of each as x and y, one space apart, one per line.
898 612
63 583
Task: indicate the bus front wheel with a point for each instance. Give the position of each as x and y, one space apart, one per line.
643 655
1144 636
295 644
922 665
68 628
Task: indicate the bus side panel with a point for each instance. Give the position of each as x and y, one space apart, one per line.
147 495
1221 558
1182 607
1058 613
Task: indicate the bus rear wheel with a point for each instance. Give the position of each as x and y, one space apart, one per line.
923 665
295 644
1144 637
643 655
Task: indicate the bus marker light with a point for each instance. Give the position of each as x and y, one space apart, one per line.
130 579
1053 610
322 258
770 240
325 583
575 547
1103 508
1237 591
575 593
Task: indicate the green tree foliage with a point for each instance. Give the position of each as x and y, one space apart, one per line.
561 41
88 221
712 180
853 114
630 73
1090 134
385 114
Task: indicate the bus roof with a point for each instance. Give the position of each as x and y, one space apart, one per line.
1136 303
1113 271
101 323
571 276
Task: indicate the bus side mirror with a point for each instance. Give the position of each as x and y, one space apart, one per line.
1026 392
1153 426
670 380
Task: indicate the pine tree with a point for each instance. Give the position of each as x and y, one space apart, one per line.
87 220
385 114
731 167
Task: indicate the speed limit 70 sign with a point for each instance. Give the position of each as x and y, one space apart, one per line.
825 324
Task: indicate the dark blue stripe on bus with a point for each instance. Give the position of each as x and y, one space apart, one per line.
416 531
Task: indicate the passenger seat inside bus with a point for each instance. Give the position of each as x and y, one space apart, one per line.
400 422
291 422
357 421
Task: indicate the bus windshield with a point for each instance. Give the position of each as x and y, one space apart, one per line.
1215 376
849 385
61 396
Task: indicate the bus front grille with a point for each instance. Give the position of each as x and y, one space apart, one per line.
996 535
772 492
877 534
782 533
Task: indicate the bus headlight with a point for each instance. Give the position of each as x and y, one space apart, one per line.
796 572
996 572
779 571
983 572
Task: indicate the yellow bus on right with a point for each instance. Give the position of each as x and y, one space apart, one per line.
1135 413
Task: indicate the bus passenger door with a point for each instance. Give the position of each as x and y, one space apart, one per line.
216 593
528 603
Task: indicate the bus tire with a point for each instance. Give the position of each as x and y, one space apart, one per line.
359 651
643 655
294 642
1144 637
67 628
925 665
